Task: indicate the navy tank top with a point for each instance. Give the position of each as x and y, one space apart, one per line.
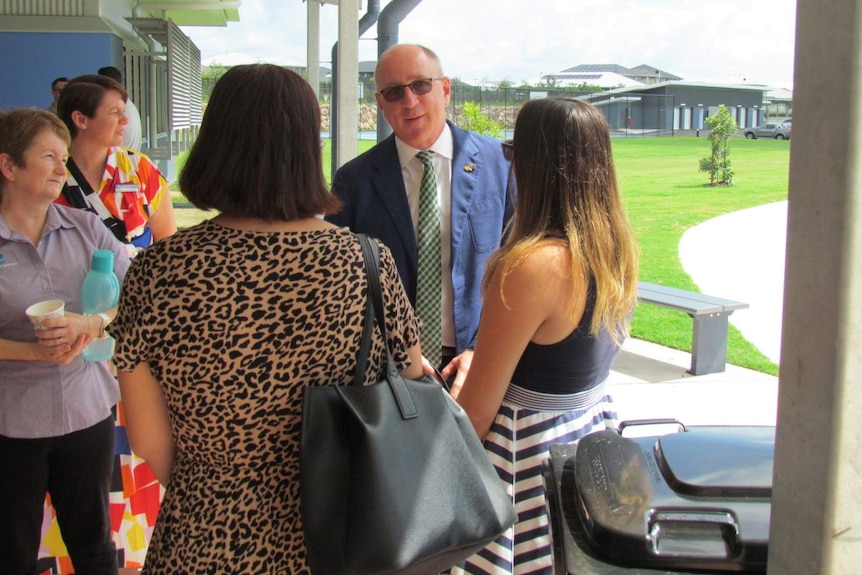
576 363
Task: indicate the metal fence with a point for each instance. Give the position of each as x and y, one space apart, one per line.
628 115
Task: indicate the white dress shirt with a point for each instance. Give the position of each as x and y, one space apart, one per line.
412 170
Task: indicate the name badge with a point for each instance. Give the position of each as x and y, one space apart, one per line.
126 188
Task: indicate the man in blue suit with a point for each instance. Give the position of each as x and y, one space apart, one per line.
380 192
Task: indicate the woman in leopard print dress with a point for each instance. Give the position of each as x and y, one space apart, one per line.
223 325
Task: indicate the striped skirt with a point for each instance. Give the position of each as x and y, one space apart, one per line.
527 424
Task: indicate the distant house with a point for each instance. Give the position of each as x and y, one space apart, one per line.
366 86
779 102
606 80
366 70
609 76
651 75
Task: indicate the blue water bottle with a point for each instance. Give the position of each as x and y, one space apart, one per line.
99 293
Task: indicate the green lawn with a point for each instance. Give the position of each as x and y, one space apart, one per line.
664 196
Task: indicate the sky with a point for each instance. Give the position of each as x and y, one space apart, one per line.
733 41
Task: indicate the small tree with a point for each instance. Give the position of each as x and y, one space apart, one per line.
474 120
718 164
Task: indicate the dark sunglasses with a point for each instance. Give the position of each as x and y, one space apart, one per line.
418 87
508 149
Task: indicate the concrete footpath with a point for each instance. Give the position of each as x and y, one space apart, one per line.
650 381
737 256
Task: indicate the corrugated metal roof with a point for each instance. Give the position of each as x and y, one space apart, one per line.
602 79
647 70
614 68
648 87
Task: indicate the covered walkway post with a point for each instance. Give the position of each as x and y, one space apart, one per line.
348 79
816 526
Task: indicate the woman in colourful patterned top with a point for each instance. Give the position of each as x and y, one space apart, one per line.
121 185
129 194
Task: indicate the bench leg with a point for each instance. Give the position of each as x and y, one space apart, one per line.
709 343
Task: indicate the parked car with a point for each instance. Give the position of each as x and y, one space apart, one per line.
769 130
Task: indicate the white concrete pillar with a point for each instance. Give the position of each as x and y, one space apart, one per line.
348 80
816 524
312 45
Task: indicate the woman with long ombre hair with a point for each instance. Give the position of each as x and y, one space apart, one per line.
557 300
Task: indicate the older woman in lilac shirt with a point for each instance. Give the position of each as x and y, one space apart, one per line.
56 427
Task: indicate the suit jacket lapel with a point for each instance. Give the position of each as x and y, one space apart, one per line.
388 184
465 177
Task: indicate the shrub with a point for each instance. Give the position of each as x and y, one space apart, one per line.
718 164
474 120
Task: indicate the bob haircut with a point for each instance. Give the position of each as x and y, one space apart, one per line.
18 129
85 94
258 151
567 192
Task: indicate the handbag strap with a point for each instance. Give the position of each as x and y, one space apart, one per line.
88 199
403 397
374 302
368 323
371 256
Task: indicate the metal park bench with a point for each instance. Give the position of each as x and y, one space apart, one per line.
710 313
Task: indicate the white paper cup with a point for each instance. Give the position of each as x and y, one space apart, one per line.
48 309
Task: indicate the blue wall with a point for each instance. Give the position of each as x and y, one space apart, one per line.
31 60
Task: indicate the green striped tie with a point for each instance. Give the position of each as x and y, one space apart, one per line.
429 281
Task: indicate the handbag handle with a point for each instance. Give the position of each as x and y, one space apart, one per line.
403 397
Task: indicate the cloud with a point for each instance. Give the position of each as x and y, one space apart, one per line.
518 40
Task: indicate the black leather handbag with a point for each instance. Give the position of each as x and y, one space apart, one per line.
393 478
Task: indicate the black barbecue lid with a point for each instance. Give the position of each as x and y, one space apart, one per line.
718 461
